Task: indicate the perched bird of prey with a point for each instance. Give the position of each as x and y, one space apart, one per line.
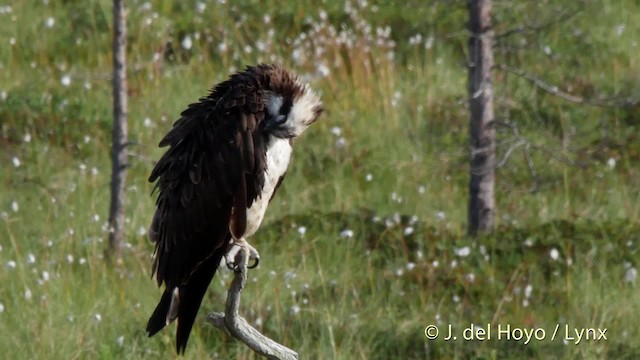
227 155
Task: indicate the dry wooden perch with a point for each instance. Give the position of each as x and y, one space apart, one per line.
231 323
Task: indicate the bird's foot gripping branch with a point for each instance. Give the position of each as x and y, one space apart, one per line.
235 325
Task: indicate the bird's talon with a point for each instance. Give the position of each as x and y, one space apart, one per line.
256 261
231 266
232 257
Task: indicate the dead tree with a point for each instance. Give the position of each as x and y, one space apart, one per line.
483 144
119 135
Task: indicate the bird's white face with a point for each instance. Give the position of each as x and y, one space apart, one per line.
290 117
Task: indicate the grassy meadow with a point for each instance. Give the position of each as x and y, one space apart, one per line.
364 245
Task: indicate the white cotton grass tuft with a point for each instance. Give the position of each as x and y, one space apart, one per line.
201 7
463 251
187 43
142 231
408 230
295 309
528 290
65 80
631 275
346 233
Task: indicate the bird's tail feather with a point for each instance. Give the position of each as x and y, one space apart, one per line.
157 321
188 300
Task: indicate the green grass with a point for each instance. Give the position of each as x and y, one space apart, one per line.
398 180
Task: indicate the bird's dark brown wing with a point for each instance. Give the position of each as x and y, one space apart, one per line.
212 171
216 158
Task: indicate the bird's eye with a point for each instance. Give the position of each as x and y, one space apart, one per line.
280 119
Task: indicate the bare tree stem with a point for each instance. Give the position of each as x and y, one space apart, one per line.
119 135
482 131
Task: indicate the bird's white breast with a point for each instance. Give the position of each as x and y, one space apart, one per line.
278 156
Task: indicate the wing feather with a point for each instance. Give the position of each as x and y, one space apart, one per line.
211 172
248 152
238 223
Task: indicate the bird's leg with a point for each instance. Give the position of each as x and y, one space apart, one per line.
234 249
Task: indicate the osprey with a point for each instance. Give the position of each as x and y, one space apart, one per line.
227 155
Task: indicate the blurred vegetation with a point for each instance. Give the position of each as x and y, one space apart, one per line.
364 245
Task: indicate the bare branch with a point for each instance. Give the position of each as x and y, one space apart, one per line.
233 324
556 156
532 168
519 140
529 145
611 102
510 151
563 17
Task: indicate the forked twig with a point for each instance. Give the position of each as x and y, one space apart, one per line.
231 323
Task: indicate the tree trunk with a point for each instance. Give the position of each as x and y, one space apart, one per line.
483 146
119 135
